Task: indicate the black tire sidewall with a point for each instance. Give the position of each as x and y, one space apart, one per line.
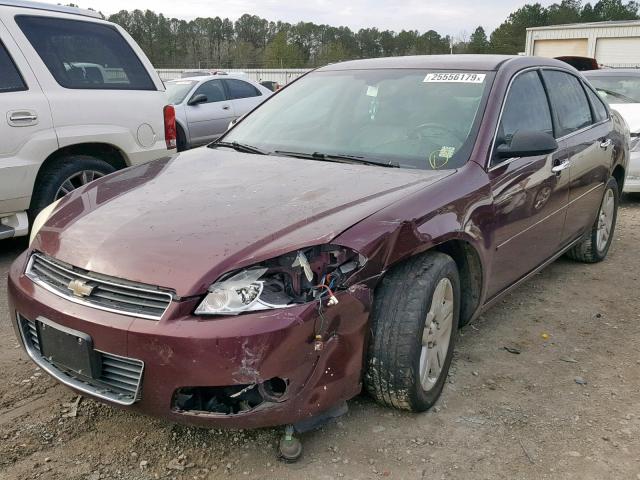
601 254
420 399
53 177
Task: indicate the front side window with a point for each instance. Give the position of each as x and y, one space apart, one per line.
213 90
239 89
85 55
569 101
413 118
526 108
10 78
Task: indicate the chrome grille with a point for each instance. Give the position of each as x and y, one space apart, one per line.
119 379
105 293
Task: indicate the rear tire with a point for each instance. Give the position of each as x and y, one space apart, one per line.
181 139
408 315
66 171
595 246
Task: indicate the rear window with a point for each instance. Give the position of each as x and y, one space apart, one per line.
239 89
85 55
10 78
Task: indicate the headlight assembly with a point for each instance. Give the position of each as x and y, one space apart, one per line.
298 277
41 219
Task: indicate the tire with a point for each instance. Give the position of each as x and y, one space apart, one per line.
181 139
51 180
402 304
590 250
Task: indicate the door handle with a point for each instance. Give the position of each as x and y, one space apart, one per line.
559 168
606 144
226 107
21 118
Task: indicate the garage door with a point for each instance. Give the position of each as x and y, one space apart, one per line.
618 51
560 48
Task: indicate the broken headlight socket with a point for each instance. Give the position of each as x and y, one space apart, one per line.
291 279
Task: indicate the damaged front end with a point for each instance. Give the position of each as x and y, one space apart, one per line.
292 338
292 279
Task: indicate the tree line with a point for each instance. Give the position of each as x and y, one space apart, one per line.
254 42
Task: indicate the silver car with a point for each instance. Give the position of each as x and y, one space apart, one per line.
620 87
206 105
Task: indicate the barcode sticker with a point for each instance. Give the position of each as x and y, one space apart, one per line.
455 77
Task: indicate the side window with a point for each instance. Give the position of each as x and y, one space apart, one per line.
10 78
599 110
85 54
213 89
525 95
569 101
239 89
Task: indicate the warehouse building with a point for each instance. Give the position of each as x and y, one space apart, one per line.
612 44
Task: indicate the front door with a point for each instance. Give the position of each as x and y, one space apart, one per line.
584 130
529 198
208 120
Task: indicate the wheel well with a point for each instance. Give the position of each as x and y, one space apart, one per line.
618 174
470 270
103 151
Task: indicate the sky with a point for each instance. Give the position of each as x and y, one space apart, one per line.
453 17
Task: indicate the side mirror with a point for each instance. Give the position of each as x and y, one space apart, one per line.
528 143
198 99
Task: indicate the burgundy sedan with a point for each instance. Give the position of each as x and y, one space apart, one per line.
335 238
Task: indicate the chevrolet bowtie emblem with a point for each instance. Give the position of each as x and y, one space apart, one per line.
80 288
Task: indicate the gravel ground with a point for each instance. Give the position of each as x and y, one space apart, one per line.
567 406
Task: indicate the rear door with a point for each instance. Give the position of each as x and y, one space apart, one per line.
583 130
208 120
529 199
26 129
244 96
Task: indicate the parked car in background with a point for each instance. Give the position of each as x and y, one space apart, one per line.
621 89
271 85
206 105
78 100
339 235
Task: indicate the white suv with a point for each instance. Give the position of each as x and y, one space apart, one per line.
78 100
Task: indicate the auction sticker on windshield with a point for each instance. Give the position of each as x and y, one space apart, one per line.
455 77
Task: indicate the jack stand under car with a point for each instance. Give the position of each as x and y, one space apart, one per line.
290 448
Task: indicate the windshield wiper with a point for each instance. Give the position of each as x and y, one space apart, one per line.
239 147
618 95
335 157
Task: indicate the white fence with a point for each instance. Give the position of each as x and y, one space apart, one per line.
280 75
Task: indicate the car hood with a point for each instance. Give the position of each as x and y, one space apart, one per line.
181 223
631 113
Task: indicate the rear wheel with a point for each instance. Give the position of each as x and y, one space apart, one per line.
414 328
64 176
595 246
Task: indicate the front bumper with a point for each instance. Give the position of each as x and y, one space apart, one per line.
632 180
182 350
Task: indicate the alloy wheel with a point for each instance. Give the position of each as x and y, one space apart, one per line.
605 220
77 180
437 334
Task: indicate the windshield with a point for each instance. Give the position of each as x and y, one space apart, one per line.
421 119
617 88
178 89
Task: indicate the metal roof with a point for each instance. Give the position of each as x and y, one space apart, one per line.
612 72
611 23
51 8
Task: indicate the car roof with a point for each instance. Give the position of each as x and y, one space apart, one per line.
610 72
202 78
446 62
51 8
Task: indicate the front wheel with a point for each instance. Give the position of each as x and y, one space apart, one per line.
595 246
414 328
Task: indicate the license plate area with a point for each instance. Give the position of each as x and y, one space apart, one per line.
68 349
